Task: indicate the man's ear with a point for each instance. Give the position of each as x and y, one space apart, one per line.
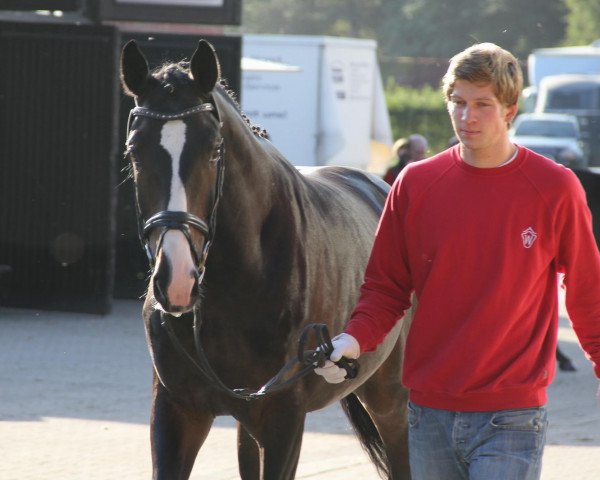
511 113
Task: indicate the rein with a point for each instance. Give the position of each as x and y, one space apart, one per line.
307 359
183 221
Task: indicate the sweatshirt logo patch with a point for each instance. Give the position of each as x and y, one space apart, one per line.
528 235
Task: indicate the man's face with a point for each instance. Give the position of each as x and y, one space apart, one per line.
480 121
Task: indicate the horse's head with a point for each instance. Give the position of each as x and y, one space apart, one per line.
175 149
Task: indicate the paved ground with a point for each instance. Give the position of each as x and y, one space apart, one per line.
74 403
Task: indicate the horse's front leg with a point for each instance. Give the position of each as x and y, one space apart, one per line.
176 436
281 448
278 438
248 455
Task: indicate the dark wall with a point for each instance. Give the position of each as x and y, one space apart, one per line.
68 232
58 105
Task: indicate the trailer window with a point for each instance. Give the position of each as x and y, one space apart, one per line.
574 99
545 128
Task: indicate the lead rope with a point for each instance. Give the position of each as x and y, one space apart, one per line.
309 359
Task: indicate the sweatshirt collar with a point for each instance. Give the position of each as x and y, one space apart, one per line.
511 164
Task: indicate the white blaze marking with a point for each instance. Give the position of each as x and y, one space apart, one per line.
175 245
172 140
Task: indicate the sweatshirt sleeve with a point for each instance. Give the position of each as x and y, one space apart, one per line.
386 289
579 260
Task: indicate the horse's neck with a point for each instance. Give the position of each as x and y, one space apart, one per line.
253 201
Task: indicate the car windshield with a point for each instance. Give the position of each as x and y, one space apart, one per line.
545 128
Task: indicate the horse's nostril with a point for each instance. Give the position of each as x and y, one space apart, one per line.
158 293
195 289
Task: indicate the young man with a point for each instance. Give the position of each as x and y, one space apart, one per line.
479 233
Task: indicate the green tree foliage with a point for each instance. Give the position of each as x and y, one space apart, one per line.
440 28
436 29
419 110
417 28
583 22
351 18
522 26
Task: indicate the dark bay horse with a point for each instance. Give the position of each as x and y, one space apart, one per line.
239 238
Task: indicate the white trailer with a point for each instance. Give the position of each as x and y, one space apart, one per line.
320 98
544 62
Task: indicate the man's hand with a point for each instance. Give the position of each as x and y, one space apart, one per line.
344 345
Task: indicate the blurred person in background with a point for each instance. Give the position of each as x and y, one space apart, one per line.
406 150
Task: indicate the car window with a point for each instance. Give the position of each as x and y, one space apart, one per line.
545 128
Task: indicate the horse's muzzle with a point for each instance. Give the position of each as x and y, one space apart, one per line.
175 294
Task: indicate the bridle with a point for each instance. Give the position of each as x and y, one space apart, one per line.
183 221
177 220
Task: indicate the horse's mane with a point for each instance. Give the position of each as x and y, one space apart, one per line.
178 74
229 94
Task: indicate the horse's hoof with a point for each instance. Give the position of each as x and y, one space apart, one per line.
566 366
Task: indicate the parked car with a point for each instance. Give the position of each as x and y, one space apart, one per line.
554 135
579 95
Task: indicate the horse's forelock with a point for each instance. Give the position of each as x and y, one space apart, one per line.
177 74
173 73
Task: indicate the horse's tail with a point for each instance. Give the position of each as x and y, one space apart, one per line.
367 434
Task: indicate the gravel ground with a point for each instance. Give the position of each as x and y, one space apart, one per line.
75 400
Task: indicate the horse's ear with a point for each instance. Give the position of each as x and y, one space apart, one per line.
205 67
134 69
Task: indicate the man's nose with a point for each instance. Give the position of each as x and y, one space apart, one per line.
467 113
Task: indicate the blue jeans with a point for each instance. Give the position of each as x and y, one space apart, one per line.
499 445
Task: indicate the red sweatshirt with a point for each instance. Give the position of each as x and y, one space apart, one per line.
481 249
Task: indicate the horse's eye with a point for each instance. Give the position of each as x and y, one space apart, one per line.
217 151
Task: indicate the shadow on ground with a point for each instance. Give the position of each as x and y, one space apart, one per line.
55 364
70 365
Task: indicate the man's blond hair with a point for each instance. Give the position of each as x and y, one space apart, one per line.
485 63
